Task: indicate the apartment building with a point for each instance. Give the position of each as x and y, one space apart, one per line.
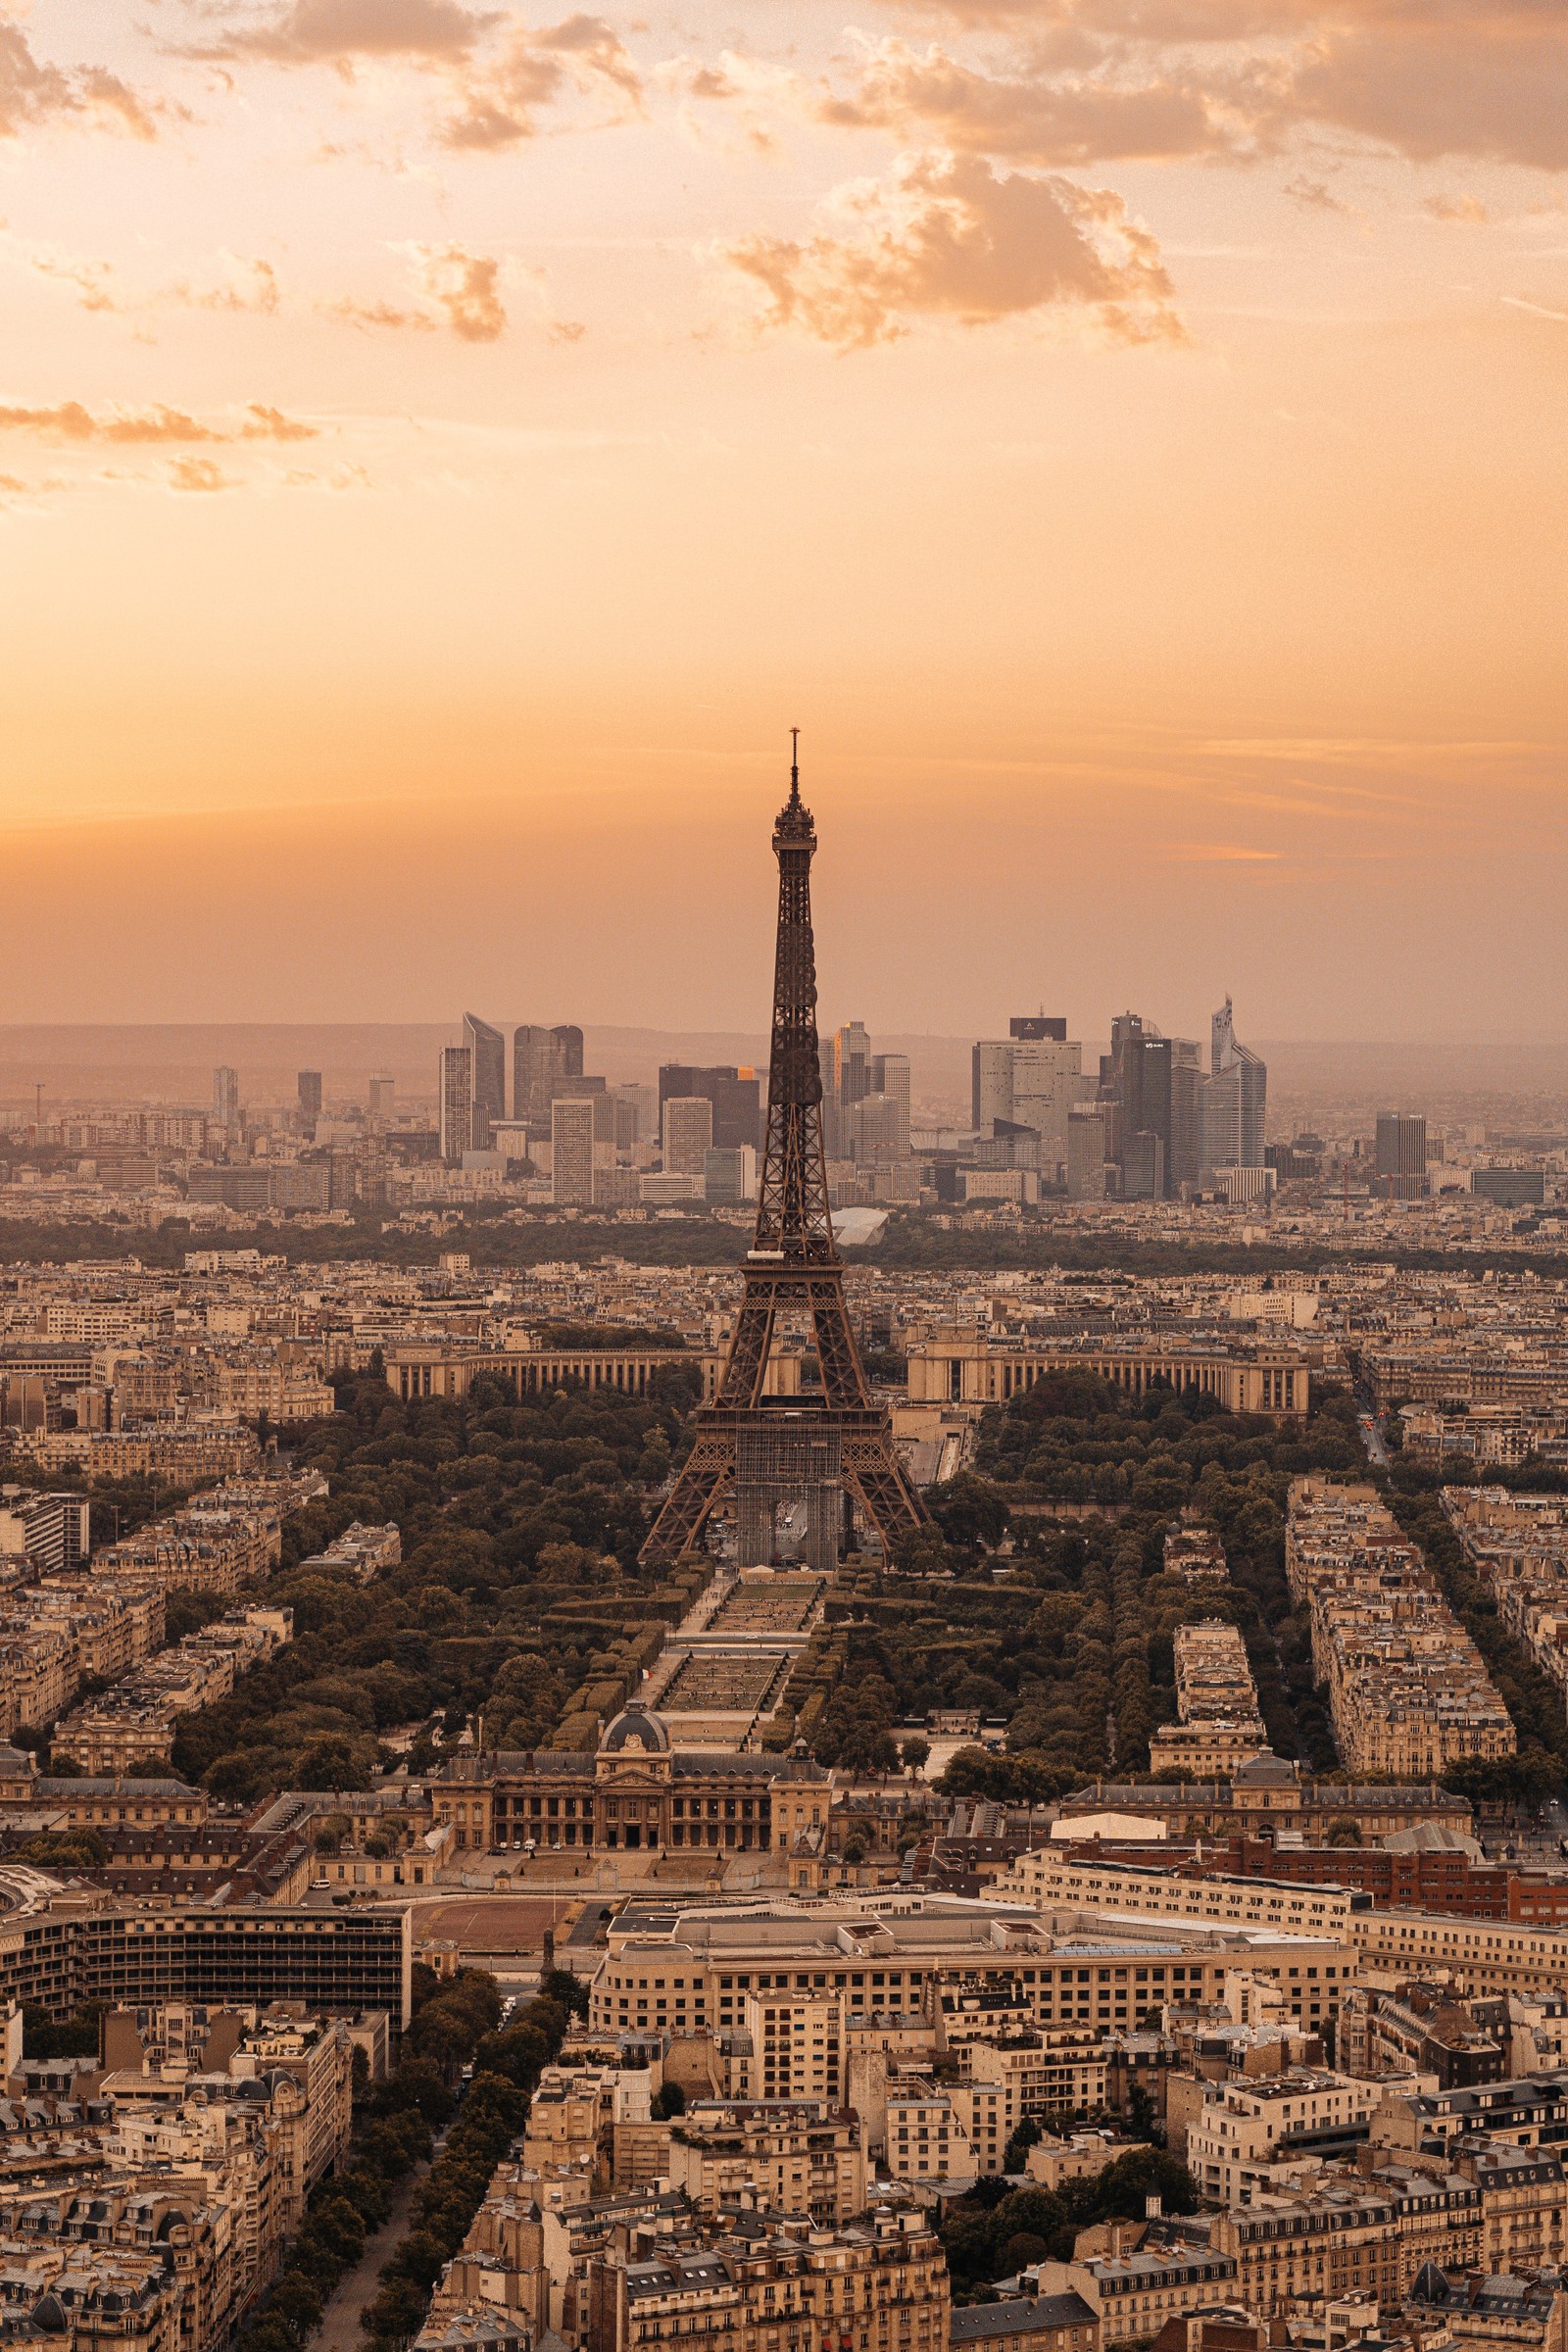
1053 1877
885 2277
1481 1955
800 2156
133 1724
1025 2075
208 1547
897 1955
1408 1694
1026 2323
1218 1725
1244 2129
797 2048
1195 1553
1519 1542
1135 2288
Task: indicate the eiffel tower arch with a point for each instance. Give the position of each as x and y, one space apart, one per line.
792 1265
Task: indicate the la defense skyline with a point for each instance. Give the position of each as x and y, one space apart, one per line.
1149 1122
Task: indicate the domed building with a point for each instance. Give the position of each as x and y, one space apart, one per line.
635 1794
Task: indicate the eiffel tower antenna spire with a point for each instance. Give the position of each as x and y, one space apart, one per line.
793 1261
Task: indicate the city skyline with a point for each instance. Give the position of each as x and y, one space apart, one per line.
1131 456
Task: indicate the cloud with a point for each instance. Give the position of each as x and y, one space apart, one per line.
253 285
533 70
1422 79
33 94
505 73
946 237
339 32
466 286
1314 195
270 424
1456 208
199 474
1536 310
92 279
380 314
69 421
462 291
1029 114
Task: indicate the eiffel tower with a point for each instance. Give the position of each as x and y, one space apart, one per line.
793 1262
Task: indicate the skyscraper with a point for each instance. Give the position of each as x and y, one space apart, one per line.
735 1093
890 1075
488 1047
572 1155
852 1056
226 1096
541 1059
1402 1154
1086 1151
310 1091
688 1136
1234 1099
456 1094
1030 1079
1149 1083
382 1094
878 1130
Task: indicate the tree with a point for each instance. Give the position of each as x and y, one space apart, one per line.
667 2100
968 1511
915 1753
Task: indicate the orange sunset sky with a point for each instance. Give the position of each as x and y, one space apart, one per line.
444 447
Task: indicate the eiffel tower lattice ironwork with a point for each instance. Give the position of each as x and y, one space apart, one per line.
793 1261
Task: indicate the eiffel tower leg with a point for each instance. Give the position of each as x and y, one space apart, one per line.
886 1497
703 1475
746 1367
843 1381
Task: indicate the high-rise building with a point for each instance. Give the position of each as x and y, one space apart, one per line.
488 1047
729 1177
735 1093
226 1096
540 1059
606 1107
890 1075
851 1059
571 1146
1150 1082
688 1134
456 1100
1030 1080
382 1094
1233 1101
990 1084
310 1092
1086 1151
1402 1154
877 1130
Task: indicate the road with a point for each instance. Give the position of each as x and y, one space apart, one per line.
339 2331
1372 1439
